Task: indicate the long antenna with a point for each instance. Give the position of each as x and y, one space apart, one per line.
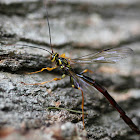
49 27
37 48
30 46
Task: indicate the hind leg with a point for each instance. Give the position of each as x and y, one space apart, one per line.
74 86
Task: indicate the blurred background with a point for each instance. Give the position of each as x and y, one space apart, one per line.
78 27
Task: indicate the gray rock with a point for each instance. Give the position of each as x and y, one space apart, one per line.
77 28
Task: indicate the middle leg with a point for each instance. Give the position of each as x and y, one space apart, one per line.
54 79
85 71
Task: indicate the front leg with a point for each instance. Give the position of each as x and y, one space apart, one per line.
49 69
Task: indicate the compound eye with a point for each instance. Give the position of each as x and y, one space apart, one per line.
52 57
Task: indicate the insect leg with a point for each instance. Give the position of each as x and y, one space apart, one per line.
54 79
49 69
86 70
82 106
74 86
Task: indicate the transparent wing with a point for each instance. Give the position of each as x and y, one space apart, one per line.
80 83
105 56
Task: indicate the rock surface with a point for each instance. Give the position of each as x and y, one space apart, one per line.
77 27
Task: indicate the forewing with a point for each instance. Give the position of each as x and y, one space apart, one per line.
105 56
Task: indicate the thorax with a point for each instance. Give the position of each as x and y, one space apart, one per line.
62 62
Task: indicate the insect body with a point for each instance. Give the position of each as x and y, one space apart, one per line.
84 83
60 61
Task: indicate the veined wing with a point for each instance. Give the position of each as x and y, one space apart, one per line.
105 56
86 87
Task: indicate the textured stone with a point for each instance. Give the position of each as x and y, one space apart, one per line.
77 28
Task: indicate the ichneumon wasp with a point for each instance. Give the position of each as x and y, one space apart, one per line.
85 83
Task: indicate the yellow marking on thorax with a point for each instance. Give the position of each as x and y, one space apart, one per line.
65 61
60 62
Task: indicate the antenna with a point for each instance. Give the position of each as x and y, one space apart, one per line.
37 48
49 27
30 46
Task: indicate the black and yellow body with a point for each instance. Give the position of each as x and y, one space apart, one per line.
60 61
64 64
80 81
